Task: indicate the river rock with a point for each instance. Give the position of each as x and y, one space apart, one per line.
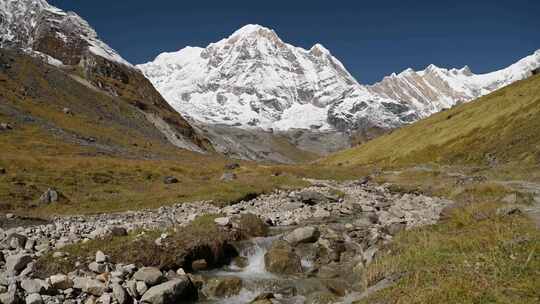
149 275
170 292
222 287
303 235
281 259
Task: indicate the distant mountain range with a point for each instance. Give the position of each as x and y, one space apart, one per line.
250 95
253 79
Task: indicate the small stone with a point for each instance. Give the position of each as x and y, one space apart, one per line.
34 298
97 267
180 272
90 286
141 287
228 176
222 221
101 257
67 111
120 294
170 180
118 231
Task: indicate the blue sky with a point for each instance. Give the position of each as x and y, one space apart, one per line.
371 38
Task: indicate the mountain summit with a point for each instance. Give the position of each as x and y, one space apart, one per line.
253 79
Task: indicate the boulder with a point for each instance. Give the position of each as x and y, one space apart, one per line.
49 196
170 292
18 262
222 287
303 235
97 267
250 225
281 259
149 275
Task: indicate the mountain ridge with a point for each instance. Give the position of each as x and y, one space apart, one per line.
206 84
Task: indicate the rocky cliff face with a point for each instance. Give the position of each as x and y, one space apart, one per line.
66 40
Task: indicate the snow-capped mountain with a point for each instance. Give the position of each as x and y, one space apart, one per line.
254 79
435 88
62 37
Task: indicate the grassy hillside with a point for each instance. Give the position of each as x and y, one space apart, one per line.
499 128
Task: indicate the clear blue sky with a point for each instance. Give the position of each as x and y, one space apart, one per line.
371 38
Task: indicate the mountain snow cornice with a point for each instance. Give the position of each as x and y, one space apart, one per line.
253 79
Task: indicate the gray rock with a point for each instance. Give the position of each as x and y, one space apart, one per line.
60 281
10 297
132 289
90 286
170 292
281 259
120 294
49 196
118 231
149 275
33 286
105 299
228 176
222 221
222 287
97 267
141 287
303 235
395 228
101 257
34 298
16 241
18 262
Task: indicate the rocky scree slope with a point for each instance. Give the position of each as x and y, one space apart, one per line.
65 40
253 79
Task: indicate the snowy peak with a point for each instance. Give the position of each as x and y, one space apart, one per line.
42 29
434 88
253 79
